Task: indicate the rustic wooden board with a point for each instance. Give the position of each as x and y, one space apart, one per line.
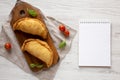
21 36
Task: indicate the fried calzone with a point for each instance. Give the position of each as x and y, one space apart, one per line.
39 49
32 26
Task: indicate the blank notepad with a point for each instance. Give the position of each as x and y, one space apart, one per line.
94 43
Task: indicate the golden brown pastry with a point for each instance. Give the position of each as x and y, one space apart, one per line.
39 49
32 26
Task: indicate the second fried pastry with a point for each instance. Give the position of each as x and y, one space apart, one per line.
39 49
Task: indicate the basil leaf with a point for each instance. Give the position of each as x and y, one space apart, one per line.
39 66
32 13
62 44
32 65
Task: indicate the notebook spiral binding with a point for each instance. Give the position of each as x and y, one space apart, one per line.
97 21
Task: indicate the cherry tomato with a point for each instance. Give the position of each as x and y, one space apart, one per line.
62 28
7 46
66 33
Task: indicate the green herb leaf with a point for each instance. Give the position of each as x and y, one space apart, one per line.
39 66
32 65
62 44
32 13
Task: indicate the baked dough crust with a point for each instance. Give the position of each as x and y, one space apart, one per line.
39 49
32 26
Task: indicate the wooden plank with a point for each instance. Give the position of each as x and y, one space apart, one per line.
21 36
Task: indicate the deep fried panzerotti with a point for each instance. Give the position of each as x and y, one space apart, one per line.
39 49
32 26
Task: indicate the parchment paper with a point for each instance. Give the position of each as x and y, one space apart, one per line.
17 57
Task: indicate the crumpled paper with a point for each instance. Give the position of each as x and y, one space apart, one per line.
16 56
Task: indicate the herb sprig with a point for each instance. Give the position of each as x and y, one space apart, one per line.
32 65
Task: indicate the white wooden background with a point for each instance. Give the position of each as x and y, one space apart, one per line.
69 12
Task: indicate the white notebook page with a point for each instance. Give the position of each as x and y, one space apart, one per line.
94 43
